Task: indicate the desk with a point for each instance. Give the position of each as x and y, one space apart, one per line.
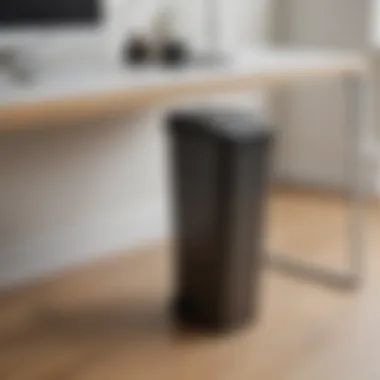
60 97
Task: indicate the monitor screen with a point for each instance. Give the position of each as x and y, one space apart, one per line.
24 13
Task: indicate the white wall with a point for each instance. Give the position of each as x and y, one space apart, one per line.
315 115
375 24
74 193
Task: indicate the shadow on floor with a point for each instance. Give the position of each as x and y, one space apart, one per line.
137 319
140 321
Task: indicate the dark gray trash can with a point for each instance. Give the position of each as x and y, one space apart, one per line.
220 168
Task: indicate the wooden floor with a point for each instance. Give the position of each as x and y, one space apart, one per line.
109 321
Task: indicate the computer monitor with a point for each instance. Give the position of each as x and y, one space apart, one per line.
28 27
40 13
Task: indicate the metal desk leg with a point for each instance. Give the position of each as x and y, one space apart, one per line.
351 277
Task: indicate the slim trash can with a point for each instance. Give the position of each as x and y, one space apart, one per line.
220 162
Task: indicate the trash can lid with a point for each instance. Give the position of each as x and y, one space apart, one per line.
232 125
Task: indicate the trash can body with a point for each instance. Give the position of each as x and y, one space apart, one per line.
221 172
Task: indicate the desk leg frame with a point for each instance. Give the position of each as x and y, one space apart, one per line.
350 278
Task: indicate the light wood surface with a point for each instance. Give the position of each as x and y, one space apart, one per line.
114 92
110 320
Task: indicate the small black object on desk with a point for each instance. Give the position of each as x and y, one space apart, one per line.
173 52
137 50
221 175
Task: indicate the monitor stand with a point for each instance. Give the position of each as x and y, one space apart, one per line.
17 59
16 65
